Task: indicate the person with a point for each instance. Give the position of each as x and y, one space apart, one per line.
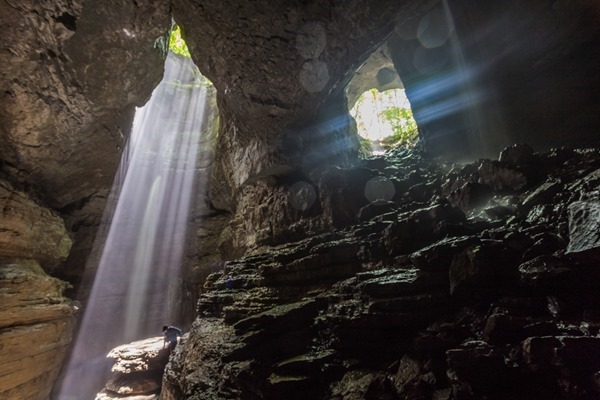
171 334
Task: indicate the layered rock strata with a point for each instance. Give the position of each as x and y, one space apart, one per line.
463 282
35 318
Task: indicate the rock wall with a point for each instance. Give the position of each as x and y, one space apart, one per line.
36 319
72 73
461 85
290 59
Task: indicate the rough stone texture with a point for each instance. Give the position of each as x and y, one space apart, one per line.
422 301
138 370
72 74
28 230
205 255
273 210
35 318
378 72
212 336
281 96
584 227
35 329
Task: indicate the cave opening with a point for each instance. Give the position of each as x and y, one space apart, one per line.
384 120
140 248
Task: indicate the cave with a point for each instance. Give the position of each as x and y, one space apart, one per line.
462 267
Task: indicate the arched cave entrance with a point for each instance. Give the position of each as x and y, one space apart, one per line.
378 102
384 120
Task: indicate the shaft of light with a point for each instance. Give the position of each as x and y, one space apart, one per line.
140 253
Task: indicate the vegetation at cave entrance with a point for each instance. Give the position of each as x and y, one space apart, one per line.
403 125
385 119
176 43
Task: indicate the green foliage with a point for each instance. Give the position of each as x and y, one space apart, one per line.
385 118
403 125
177 44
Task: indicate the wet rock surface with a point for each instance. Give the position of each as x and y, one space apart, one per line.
430 298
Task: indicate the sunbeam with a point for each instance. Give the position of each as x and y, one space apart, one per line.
140 255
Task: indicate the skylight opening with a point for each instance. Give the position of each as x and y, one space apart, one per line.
177 44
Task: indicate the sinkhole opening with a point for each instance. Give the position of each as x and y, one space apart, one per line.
384 120
177 43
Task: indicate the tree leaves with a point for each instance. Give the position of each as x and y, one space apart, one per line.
176 43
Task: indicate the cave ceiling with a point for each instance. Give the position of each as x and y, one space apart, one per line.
276 63
73 71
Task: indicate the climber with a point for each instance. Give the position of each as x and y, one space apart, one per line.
171 334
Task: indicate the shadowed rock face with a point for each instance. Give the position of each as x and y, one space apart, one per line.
72 74
483 76
418 298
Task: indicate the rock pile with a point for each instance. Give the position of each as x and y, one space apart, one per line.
476 281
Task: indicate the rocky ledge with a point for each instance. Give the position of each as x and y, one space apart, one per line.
138 370
474 281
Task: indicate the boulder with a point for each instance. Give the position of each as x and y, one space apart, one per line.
479 364
584 228
471 195
482 269
501 177
517 154
138 369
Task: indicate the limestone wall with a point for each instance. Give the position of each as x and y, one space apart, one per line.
36 319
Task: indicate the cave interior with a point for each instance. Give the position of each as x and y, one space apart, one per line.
464 267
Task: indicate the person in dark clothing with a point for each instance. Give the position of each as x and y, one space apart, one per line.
171 334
